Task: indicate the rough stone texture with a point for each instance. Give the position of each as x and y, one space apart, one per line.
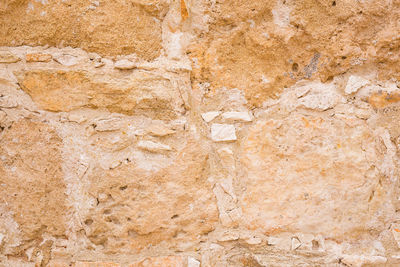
59 90
334 189
199 133
108 28
136 209
32 187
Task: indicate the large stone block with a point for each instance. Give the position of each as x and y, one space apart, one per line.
105 27
316 175
31 180
136 208
140 92
264 47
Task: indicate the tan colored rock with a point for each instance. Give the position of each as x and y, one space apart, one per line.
31 179
313 175
96 264
139 93
58 263
358 261
262 48
7 57
108 28
159 129
153 146
38 57
396 233
173 205
383 99
187 133
168 261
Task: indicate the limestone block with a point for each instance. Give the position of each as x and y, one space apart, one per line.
108 28
139 93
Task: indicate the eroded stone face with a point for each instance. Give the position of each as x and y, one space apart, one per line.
262 48
31 179
314 174
141 92
136 208
105 27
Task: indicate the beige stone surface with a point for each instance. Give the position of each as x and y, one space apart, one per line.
315 175
199 133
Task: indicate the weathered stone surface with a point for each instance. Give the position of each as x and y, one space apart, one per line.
199 133
31 179
168 261
262 48
96 264
140 92
140 208
109 28
313 174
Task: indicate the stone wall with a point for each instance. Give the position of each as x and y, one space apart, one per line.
199 133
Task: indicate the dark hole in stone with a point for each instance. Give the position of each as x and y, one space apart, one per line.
334 3
123 187
107 211
295 67
315 245
175 216
344 57
88 221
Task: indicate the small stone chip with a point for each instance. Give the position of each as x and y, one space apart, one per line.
153 146
295 243
66 60
237 116
159 130
7 57
354 84
192 262
125 64
209 116
223 132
